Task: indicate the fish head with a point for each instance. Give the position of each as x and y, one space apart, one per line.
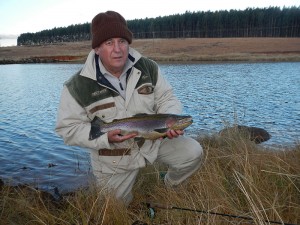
179 122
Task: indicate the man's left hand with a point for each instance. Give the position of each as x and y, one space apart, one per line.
174 133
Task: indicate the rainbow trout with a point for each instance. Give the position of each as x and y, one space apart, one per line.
148 126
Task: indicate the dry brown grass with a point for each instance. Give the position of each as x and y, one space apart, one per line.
237 178
188 49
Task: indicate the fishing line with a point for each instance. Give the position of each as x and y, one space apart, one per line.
151 207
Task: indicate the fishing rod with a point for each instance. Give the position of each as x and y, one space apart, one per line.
151 206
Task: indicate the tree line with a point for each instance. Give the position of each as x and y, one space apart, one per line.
251 22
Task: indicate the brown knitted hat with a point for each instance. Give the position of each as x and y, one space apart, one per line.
109 25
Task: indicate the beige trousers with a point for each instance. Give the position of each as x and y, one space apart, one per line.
182 155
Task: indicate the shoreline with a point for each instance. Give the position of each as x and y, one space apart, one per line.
190 50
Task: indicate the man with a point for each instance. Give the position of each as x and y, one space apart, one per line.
116 82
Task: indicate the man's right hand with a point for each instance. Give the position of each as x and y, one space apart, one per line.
115 136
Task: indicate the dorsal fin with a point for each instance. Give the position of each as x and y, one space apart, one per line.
141 114
161 130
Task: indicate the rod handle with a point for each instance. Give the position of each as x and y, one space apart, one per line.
158 205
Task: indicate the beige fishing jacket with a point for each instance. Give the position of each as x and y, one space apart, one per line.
74 117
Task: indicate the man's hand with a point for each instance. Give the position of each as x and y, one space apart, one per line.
115 136
174 133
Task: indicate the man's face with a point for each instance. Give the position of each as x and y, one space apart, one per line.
113 54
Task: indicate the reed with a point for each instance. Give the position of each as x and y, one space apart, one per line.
237 177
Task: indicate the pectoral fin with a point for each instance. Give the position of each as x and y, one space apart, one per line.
161 130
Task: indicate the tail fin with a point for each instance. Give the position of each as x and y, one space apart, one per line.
95 128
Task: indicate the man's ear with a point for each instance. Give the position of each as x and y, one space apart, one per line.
96 50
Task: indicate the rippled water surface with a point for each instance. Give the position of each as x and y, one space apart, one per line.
255 94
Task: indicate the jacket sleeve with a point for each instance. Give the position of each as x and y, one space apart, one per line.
74 126
165 100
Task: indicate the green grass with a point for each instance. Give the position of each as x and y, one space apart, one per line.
237 177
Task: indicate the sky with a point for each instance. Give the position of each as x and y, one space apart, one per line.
22 16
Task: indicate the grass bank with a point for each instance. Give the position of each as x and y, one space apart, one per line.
167 50
237 177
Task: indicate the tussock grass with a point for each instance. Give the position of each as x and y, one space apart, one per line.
237 177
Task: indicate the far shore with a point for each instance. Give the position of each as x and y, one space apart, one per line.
167 50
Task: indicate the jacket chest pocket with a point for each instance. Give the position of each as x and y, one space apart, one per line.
145 98
104 110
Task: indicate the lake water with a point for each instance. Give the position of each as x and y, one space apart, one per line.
265 95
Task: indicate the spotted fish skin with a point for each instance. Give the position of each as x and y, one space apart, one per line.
148 126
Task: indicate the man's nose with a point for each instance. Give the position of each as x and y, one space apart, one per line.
117 46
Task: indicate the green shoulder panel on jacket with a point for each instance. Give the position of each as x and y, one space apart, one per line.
149 71
87 91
